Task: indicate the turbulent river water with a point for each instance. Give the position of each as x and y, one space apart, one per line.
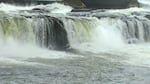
49 44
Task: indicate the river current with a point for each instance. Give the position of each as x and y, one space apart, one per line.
105 46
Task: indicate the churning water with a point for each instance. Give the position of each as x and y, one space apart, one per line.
49 44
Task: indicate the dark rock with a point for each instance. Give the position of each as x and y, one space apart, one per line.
39 10
147 16
134 3
74 3
107 4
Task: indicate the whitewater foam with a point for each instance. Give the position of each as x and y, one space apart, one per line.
14 52
52 8
144 3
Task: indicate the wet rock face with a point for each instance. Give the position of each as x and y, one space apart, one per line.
74 3
134 3
107 4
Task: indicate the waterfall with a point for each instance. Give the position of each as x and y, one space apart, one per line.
18 28
50 32
50 44
107 30
79 29
97 28
45 31
137 29
60 33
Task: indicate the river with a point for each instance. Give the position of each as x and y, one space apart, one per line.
104 46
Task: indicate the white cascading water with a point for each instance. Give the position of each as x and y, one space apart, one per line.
106 31
144 3
53 8
100 32
93 33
